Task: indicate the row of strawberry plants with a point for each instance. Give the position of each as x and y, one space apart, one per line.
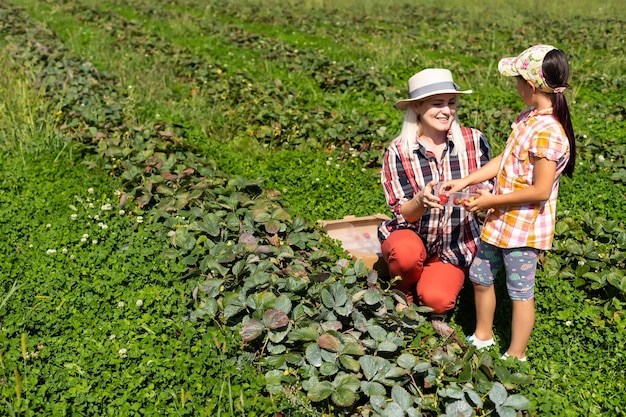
324 329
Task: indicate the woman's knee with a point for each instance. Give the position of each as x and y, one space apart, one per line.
439 301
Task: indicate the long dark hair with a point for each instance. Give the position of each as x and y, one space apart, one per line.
556 73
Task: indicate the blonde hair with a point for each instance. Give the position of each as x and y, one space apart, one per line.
412 129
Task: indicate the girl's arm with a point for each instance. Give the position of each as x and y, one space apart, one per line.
486 172
540 190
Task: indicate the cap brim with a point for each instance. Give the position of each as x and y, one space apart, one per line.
404 104
507 66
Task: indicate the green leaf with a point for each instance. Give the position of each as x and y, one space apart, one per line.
406 361
474 398
401 396
353 348
320 391
518 402
373 296
345 386
618 280
313 355
349 363
497 393
387 346
373 388
329 368
308 334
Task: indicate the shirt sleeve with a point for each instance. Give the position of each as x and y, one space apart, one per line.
393 177
550 143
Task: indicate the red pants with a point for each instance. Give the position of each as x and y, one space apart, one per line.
435 283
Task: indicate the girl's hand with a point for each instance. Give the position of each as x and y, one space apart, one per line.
483 202
452 186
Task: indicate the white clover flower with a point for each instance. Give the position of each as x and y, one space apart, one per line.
118 192
48 226
120 304
64 251
30 246
106 207
74 216
336 165
112 337
139 219
328 163
94 242
568 323
83 239
85 235
90 190
121 212
139 303
122 353
96 217
601 158
72 256
104 227
158 116
90 205
51 251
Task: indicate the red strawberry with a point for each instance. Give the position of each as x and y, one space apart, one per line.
458 201
443 199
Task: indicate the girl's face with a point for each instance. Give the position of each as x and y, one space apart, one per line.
437 112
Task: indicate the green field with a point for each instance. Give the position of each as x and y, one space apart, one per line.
164 165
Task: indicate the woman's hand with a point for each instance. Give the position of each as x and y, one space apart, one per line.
427 199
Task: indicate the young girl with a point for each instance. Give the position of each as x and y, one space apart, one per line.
520 217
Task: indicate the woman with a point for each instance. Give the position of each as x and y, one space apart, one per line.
428 245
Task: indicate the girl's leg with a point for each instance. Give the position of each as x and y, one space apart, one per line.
521 327
440 285
405 255
521 265
483 271
485 301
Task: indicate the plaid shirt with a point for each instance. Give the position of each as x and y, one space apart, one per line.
450 233
536 134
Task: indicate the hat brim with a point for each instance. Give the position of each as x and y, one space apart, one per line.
508 67
404 104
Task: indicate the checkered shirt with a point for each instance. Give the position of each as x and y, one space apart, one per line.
539 134
450 233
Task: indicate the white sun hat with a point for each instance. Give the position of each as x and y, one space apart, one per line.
430 82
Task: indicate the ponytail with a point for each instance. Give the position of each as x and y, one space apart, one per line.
556 73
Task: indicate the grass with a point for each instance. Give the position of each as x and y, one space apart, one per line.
171 57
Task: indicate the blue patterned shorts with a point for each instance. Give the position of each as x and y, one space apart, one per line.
520 265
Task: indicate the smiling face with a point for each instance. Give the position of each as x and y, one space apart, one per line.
437 112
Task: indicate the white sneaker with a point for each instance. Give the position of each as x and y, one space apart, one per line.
506 356
480 344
